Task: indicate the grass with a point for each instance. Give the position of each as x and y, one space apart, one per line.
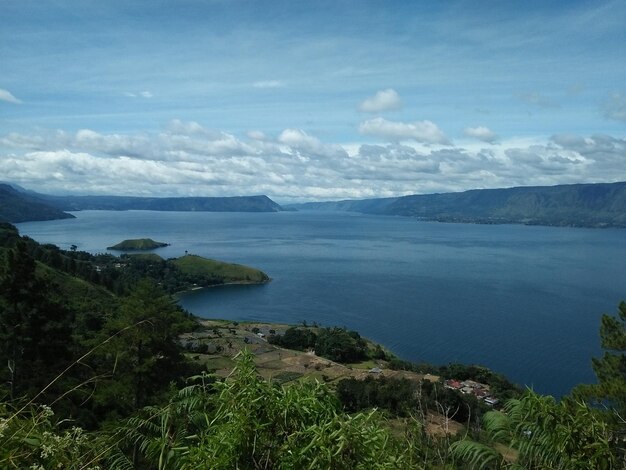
286 376
272 361
81 295
210 268
369 364
215 362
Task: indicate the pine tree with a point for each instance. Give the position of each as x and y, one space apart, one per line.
143 356
35 331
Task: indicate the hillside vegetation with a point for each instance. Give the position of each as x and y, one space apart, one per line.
185 204
93 377
576 205
18 207
209 269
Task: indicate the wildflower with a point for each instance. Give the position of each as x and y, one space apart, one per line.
46 411
46 451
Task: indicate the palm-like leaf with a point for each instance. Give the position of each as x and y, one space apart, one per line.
546 434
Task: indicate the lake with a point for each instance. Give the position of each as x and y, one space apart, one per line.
524 301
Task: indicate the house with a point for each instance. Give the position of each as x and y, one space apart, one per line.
471 387
453 384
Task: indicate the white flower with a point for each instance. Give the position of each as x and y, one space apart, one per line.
46 411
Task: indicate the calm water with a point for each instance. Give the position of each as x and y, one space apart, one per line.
524 301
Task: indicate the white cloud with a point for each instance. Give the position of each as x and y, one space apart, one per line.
481 133
187 159
256 135
383 100
420 131
269 84
297 138
308 146
141 94
615 107
7 96
176 126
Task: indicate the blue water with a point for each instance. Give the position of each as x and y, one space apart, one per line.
524 301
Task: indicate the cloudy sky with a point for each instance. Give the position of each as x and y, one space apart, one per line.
310 100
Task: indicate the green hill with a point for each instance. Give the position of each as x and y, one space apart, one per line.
16 207
211 270
137 244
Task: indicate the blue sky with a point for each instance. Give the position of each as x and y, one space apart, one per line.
310 100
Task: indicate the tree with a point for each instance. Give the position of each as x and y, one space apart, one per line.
35 331
143 356
338 344
294 338
610 369
395 395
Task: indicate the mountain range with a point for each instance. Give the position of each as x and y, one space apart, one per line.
20 205
575 205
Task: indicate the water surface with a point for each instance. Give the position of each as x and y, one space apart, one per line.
524 301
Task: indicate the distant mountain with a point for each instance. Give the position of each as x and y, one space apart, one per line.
17 206
365 206
121 203
577 205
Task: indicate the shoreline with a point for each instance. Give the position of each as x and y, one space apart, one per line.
225 284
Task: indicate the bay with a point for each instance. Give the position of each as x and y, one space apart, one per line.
524 301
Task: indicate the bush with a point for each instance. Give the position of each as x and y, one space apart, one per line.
340 345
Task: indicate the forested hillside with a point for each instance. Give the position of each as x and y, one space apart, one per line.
94 374
122 203
16 206
576 205
20 205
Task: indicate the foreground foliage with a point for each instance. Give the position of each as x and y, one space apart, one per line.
545 434
249 423
31 438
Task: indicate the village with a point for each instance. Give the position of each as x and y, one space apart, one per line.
470 387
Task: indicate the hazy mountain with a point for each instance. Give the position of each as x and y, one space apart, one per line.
580 205
121 203
17 206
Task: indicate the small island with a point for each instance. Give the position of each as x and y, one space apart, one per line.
138 244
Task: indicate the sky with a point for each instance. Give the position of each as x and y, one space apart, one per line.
310 100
